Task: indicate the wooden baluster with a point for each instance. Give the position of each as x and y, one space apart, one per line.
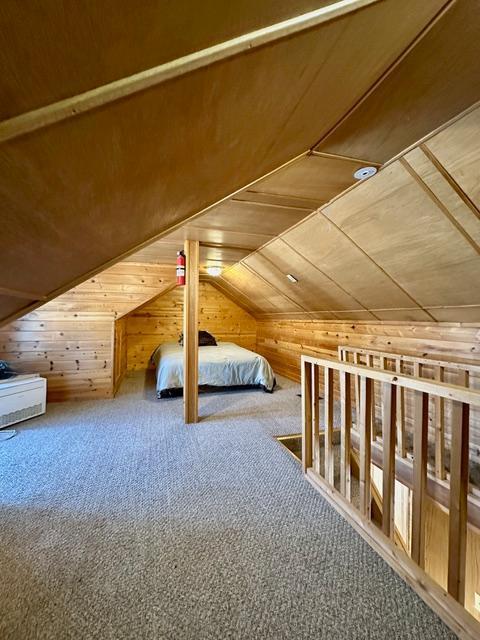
356 382
401 441
365 445
316 417
306 416
457 528
329 452
440 471
389 412
345 435
370 363
420 443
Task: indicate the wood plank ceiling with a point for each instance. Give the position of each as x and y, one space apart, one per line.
403 245
85 191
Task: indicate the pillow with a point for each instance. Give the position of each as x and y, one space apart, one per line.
205 339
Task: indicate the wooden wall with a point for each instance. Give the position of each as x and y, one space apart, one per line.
283 341
161 320
71 340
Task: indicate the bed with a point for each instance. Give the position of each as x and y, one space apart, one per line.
224 366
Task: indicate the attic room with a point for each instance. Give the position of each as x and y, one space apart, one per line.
240 319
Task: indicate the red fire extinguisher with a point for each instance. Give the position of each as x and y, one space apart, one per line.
180 268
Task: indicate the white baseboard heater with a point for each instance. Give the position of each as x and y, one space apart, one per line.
22 397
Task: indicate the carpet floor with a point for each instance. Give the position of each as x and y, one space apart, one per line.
119 522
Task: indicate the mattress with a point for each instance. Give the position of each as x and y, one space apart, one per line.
225 365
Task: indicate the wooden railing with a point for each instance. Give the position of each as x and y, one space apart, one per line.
459 373
328 467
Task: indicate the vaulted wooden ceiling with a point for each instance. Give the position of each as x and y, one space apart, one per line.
403 245
197 155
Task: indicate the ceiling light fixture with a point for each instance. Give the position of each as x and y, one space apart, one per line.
364 173
214 271
292 278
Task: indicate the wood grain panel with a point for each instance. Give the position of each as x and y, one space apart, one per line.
265 297
72 51
326 247
435 82
314 177
313 291
116 168
283 341
414 241
74 340
457 149
160 321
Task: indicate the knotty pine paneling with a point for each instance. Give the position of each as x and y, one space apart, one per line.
73 340
283 341
160 321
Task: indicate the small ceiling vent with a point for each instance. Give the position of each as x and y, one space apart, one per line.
364 173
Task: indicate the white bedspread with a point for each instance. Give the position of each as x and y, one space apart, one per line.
225 365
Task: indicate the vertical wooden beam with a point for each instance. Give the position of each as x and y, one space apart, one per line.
190 333
420 443
440 471
459 471
401 441
365 445
356 382
389 411
345 434
371 363
306 415
328 401
316 416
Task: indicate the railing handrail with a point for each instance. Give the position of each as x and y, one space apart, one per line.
447 364
441 389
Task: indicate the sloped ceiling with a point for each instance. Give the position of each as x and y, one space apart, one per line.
403 245
82 192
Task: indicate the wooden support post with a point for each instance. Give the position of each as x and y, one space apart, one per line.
190 333
420 443
440 471
365 445
356 382
389 411
316 417
306 415
401 441
345 435
328 401
459 471
370 363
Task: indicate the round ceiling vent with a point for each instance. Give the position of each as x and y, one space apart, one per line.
364 172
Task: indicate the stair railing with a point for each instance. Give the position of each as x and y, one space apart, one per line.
327 466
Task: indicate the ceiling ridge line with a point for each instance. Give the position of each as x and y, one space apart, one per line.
327 276
233 286
446 7
148 78
391 278
439 204
450 179
214 282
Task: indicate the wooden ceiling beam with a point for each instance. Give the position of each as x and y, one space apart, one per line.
119 89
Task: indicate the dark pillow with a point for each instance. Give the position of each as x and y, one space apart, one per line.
205 339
